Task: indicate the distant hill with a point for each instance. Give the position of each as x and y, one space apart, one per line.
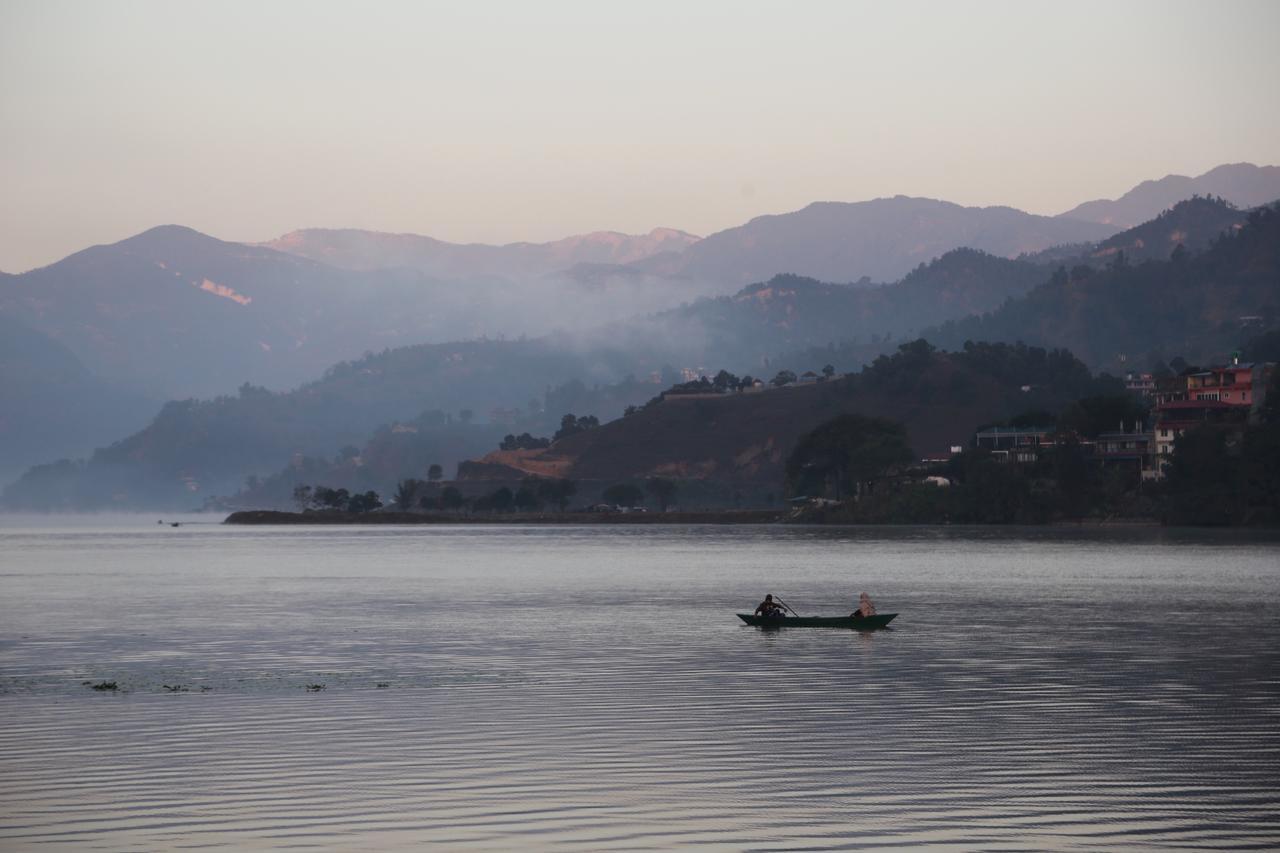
1193 224
745 437
174 312
367 250
52 406
1243 184
1128 316
790 311
194 449
883 240
178 314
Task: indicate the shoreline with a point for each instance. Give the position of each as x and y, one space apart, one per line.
745 516
699 517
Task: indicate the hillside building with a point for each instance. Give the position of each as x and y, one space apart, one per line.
1230 394
1016 444
1233 384
1142 384
1133 449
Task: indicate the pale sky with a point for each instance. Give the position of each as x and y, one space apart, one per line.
496 122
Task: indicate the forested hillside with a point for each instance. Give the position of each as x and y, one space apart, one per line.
1129 316
744 437
750 329
1193 224
51 404
195 449
1243 184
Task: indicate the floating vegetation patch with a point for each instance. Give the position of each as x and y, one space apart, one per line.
314 688
105 686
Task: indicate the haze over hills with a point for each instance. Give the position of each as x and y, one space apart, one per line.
882 240
1243 184
174 313
366 250
52 405
1128 316
177 313
756 324
744 438
194 449
1193 224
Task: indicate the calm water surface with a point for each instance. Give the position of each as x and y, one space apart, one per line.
591 688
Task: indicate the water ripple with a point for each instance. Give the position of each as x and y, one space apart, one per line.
591 689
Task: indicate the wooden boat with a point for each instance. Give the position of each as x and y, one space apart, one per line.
866 623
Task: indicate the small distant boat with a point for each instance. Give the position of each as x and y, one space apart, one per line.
175 524
864 623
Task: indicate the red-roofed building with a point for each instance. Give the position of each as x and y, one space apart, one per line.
1228 394
1232 384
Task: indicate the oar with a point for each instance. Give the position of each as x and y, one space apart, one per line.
788 606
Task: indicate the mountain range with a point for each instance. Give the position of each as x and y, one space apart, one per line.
173 314
368 250
1242 184
1131 316
881 240
743 439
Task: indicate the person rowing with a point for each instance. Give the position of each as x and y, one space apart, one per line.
769 608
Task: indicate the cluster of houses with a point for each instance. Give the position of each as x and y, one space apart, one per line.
1228 395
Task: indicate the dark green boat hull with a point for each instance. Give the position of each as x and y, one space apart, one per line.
866 623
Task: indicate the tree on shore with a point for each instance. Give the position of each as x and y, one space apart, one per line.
327 498
623 494
364 502
526 499
302 497
452 499
557 492
848 451
663 491
435 473
405 492
500 500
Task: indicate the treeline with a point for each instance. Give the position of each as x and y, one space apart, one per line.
532 495
1219 473
790 312
1189 303
337 500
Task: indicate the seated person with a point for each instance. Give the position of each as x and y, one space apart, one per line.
769 608
865 607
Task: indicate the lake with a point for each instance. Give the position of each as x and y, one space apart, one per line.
591 688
